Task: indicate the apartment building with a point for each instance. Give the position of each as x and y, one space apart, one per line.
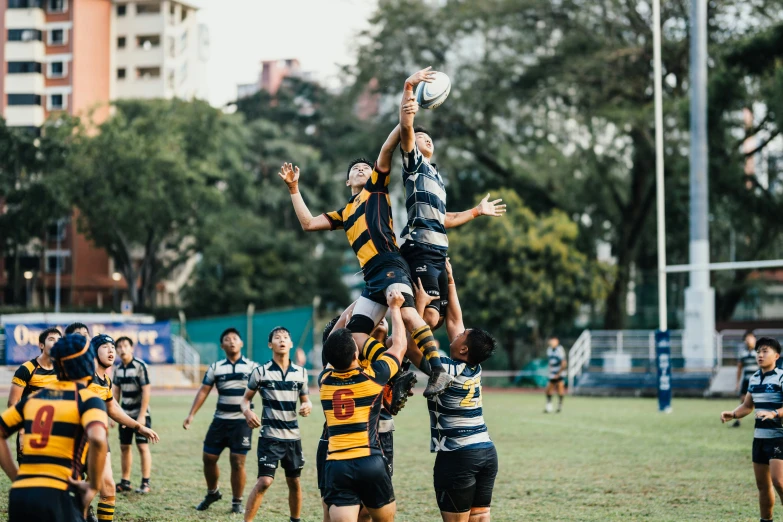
159 50
270 75
75 56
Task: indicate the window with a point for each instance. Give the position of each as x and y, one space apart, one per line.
148 72
122 9
183 42
56 6
57 69
24 35
23 67
57 37
56 102
120 42
172 46
184 13
24 99
51 261
148 42
23 4
121 73
147 8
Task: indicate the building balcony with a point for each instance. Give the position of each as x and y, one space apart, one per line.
24 115
24 18
33 51
27 82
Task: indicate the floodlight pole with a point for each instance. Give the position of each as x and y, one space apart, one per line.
698 341
659 186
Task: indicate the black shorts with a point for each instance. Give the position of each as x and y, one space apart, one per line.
556 380
765 450
232 434
353 482
429 265
320 461
43 505
383 271
287 452
387 445
744 388
127 434
464 479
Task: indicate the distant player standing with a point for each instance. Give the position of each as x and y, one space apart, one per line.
746 367
229 428
556 355
765 393
281 383
32 376
132 386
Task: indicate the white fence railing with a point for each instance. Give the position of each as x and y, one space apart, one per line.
579 357
187 358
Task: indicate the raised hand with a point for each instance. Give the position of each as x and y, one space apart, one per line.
421 293
411 106
394 299
290 175
426 75
491 208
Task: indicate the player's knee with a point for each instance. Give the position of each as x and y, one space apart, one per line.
432 318
125 448
237 463
263 483
777 482
293 482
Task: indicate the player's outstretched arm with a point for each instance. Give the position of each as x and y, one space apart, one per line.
201 396
290 175
387 150
485 208
117 415
740 411
454 324
407 112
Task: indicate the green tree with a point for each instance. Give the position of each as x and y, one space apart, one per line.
145 179
523 267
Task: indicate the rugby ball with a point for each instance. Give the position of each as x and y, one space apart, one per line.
432 95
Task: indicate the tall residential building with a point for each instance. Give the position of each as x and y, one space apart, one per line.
159 50
75 56
271 75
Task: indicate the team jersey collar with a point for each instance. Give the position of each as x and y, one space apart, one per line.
773 371
276 366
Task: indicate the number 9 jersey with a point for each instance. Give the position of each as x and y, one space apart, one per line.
55 420
352 404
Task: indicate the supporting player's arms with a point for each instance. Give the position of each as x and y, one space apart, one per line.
740 411
201 396
454 324
407 136
116 414
422 298
484 208
7 460
290 175
395 300
250 416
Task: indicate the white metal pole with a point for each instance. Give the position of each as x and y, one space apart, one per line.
659 186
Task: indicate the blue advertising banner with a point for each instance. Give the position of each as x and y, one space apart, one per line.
663 353
151 342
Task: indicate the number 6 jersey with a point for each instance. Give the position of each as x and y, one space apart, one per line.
456 416
352 406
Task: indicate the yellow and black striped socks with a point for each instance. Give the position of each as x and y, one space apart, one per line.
106 509
425 342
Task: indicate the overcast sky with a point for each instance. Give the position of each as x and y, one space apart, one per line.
243 32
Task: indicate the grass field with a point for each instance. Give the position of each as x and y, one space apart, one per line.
602 459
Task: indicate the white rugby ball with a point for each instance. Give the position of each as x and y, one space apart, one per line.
432 95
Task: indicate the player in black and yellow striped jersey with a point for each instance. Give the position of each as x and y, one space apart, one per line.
105 352
60 419
33 375
351 396
367 222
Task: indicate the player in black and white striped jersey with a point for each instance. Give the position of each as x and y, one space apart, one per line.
746 367
280 383
132 388
229 428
